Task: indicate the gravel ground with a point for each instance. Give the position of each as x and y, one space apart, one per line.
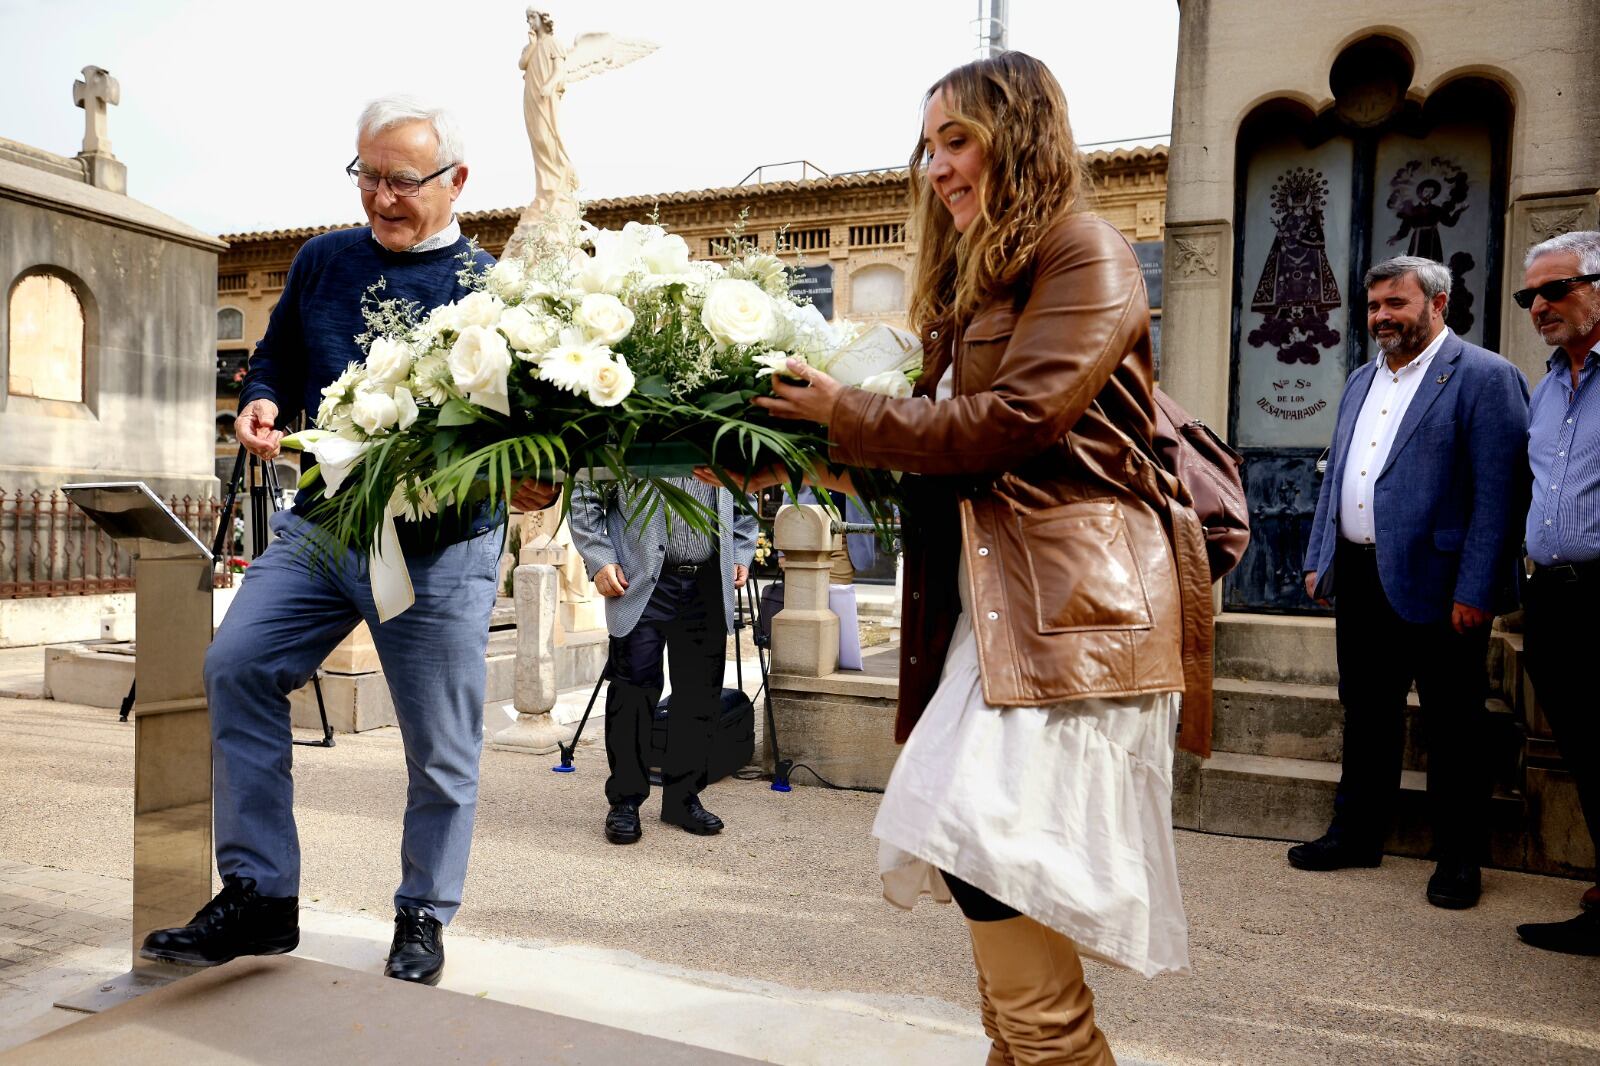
1289 967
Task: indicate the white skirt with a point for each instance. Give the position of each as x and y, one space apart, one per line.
1063 813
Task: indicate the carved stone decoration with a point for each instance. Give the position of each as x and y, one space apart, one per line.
1552 222
1194 255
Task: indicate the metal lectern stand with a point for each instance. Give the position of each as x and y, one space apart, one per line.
173 578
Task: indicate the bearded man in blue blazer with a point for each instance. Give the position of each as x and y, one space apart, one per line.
1417 528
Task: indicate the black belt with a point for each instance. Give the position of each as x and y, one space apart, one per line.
1568 573
1370 549
687 569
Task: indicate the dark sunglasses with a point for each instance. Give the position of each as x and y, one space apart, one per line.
1550 290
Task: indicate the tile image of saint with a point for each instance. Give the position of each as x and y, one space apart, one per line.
1297 287
1415 194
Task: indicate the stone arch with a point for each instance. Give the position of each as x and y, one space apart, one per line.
878 289
51 330
230 323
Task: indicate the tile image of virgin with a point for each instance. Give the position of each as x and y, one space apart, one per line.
1297 287
1414 198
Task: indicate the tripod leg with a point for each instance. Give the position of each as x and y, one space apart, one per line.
127 702
565 766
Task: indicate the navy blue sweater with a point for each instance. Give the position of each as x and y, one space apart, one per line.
311 335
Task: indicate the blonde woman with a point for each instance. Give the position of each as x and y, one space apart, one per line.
1044 613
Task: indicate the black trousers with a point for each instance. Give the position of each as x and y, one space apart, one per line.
1380 655
976 904
683 619
1558 636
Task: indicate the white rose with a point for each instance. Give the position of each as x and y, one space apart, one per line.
442 319
528 333
479 363
478 309
738 312
405 406
572 366
604 317
667 254
373 412
890 383
508 277
610 383
388 361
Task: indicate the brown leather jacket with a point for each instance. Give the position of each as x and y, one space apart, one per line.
1037 472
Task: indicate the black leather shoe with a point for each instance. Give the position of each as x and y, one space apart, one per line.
622 824
1575 936
1330 853
239 921
1455 885
693 818
417 953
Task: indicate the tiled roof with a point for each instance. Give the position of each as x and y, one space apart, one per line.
865 179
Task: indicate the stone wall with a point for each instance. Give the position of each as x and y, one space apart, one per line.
147 286
1235 55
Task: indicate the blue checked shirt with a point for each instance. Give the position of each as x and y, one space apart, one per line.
1564 454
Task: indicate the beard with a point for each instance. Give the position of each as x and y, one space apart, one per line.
1407 340
1559 331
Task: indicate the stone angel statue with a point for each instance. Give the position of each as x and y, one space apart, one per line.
548 68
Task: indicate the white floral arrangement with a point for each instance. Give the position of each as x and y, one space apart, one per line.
570 359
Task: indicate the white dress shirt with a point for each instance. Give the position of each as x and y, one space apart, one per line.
1376 426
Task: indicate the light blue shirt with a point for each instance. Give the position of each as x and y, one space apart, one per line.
1564 455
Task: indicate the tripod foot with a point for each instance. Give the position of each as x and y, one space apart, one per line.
781 786
564 768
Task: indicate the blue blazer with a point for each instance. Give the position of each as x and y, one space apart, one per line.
1449 502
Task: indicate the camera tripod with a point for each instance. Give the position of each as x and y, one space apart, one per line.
261 477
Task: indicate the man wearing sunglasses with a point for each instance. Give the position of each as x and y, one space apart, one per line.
1561 293
305 593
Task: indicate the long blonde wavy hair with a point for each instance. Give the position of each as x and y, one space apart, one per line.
1013 108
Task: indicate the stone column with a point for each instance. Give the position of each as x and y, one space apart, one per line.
1535 219
805 634
536 591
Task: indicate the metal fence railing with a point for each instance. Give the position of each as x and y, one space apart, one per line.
48 547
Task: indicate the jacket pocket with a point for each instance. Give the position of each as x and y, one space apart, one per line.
1449 540
1082 568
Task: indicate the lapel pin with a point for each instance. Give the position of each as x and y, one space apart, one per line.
1442 378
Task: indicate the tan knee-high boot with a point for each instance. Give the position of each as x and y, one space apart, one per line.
1032 978
999 1054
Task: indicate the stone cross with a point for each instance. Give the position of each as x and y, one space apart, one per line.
93 93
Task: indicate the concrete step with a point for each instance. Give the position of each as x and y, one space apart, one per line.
1293 721
1272 647
1292 799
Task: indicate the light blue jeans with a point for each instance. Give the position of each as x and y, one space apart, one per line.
298 601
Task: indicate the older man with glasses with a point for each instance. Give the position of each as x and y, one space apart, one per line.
1561 293
305 593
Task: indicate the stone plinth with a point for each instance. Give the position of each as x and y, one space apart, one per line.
537 591
841 724
805 634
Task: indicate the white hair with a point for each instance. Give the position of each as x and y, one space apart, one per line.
388 111
1585 244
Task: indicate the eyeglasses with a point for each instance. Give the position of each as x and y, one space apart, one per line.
1550 290
367 181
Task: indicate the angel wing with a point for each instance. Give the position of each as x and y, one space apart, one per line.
596 53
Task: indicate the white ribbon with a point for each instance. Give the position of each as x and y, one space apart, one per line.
336 456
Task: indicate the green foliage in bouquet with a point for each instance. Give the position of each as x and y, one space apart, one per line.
602 354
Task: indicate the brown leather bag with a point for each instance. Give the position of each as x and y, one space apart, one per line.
1193 453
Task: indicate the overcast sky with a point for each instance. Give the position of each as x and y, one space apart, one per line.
239 116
